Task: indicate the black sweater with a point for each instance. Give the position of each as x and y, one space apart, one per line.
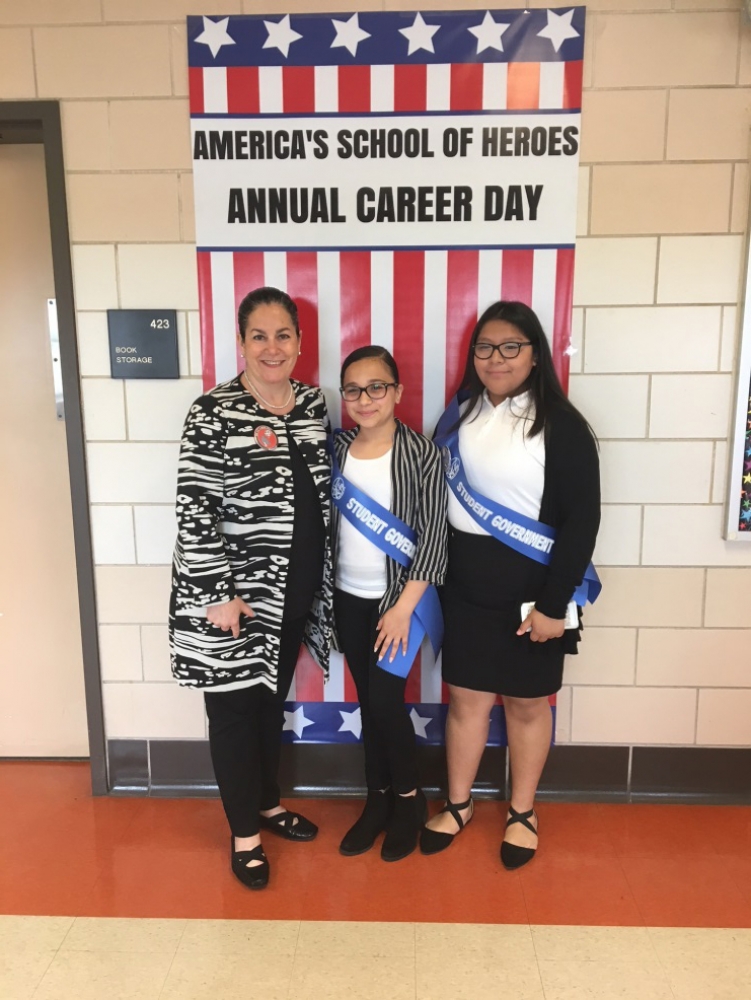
570 504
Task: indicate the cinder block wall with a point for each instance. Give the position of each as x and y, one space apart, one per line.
663 205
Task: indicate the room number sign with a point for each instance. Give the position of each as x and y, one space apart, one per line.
143 343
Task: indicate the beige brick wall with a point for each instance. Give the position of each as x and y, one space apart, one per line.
663 204
666 141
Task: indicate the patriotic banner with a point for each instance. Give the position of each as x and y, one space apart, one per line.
396 173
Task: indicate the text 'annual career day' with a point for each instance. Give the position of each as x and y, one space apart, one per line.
447 203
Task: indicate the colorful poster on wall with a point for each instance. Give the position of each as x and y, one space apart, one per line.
396 173
738 508
743 512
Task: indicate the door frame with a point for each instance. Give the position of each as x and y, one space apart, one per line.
45 116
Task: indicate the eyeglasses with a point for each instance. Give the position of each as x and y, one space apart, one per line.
376 390
510 349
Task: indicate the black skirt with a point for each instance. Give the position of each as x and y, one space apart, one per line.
487 584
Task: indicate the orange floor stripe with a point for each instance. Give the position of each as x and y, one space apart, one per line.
66 853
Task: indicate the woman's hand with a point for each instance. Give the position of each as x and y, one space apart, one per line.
227 616
540 627
393 629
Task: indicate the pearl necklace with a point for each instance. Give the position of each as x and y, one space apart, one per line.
266 403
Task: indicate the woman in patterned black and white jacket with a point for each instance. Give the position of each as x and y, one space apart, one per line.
250 576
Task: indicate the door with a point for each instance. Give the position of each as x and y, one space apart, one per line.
42 706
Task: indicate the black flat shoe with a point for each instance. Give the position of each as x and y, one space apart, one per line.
256 877
283 825
374 819
435 841
410 812
513 856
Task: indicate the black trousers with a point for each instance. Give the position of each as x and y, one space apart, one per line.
387 733
245 738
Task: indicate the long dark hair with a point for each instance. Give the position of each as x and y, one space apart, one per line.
370 351
266 296
543 384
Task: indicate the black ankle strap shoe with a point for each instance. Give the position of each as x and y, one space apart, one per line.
435 841
290 825
512 855
255 877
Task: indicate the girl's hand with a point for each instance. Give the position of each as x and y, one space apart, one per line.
393 629
540 627
227 616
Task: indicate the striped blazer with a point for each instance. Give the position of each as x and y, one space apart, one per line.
419 498
235 515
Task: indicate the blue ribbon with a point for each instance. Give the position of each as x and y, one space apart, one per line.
523 534
394 537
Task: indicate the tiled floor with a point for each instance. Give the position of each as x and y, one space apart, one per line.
100 958
132 899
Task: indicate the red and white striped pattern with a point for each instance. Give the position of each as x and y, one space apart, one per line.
424 685
422 305
297 90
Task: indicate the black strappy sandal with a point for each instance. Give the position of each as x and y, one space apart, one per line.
255 877
512 855
434 841
283 825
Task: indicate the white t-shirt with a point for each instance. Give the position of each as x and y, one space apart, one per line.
360 565
500 461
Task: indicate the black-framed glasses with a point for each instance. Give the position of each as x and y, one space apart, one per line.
510 349
376 390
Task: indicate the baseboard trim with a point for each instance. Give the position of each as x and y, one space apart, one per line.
690 775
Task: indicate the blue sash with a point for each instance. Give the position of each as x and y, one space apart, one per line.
523 534
391 535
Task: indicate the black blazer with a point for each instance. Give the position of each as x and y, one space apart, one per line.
570 504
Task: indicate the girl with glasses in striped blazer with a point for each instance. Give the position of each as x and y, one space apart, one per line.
392 468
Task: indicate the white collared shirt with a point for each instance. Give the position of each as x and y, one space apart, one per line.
361 565
500 460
